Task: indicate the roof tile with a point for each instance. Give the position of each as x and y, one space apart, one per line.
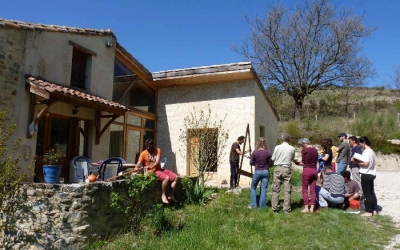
54 28
52 87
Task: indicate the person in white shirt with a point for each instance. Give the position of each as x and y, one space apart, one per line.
368 173
282 157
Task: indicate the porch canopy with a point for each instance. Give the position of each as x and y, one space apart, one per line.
53 93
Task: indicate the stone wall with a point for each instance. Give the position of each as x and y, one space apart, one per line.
71 216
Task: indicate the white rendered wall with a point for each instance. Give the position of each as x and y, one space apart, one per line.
235 99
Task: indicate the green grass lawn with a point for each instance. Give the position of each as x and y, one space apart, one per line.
227 223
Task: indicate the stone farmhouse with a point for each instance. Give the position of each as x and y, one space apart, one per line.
78 91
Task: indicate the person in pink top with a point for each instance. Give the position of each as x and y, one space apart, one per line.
309 159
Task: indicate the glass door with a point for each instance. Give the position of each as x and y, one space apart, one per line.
132 146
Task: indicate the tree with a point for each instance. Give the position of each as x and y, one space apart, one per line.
306 49
397 77
203 142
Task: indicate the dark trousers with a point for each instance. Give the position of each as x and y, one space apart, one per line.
234 167
367 184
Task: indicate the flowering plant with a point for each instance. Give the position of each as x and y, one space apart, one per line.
51 157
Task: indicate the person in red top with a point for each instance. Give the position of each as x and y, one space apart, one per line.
309 158
150 158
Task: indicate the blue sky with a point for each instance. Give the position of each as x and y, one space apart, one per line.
173 34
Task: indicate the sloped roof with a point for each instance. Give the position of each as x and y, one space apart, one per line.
72 94
53 28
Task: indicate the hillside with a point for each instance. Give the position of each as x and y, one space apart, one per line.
372 112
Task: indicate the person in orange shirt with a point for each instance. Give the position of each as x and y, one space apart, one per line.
150 158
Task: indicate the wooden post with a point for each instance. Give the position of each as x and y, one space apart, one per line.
316 117
398 117
354 115
240 171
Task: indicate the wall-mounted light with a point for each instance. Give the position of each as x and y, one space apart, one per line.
75 110
109 44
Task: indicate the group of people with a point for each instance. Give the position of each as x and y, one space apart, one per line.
334 188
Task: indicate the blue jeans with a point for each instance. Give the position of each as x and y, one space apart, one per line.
340 166
325 198
263 176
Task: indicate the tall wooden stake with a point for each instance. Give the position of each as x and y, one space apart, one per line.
240 171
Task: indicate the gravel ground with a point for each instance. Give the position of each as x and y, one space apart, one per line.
389 199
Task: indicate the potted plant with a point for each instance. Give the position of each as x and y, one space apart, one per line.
51 167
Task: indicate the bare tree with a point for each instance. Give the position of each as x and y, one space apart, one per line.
306 49
396 79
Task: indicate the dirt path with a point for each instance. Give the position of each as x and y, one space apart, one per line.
386 184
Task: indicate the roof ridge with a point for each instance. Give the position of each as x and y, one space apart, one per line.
54 27
204 67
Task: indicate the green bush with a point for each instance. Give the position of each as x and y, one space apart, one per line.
196 193
296 177
11 175
293 129
130 202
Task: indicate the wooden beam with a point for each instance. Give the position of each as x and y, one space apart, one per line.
128 63
131 84
81 48
33 124
98 125
34 89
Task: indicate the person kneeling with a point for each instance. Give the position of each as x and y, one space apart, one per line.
333 190
352 189
150 158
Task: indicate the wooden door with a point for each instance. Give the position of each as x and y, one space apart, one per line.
193 148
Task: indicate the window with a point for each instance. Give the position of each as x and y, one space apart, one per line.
203 149
81 68
78 70
262 131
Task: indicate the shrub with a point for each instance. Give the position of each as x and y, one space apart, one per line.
293 128
130 202
11 196
196 193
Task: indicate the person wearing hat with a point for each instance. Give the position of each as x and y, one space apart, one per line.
344 153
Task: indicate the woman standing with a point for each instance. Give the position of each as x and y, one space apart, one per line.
326 144
368 171
309 158
261 159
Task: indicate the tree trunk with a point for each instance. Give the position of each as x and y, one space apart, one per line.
298 100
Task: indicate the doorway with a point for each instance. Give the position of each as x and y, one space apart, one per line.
61 134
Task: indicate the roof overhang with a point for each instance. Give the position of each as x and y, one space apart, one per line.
60 93
203 75
132 63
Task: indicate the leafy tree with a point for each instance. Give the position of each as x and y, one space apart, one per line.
11 195
309 48
203 141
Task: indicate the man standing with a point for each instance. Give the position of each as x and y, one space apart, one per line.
234 160
282 157
333 190
150 158
344 153
355 170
